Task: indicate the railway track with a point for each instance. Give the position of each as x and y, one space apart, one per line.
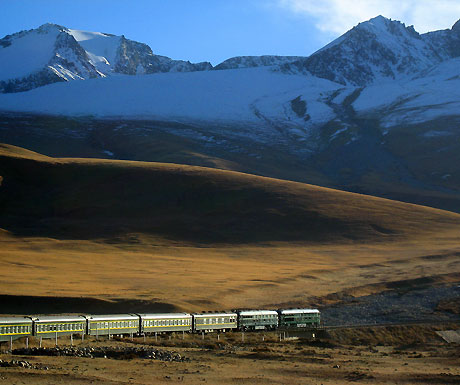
386 324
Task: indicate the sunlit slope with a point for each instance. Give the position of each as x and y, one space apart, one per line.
88 199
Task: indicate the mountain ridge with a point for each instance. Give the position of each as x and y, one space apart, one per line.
372 51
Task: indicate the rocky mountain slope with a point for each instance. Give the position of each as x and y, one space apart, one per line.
377 51
255 61
52 53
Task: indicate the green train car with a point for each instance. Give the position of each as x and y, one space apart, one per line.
209 322
170 322
257 320
112 324
12 328
299 318
57 326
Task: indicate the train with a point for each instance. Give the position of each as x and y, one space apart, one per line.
12 328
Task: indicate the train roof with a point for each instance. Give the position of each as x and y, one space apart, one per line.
299 311
207 315
12 320
112 317
258 312
58 318
163 315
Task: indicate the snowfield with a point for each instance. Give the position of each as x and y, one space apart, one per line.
243 95
28 53
435 95
101 48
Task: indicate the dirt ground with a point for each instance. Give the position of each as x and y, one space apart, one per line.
230 361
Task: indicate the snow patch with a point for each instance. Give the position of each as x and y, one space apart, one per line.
28 53
101 48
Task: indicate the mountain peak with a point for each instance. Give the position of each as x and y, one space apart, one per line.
49 27
456 27
53 53
381 24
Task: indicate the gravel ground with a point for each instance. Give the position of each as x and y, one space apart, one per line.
392 307
104 352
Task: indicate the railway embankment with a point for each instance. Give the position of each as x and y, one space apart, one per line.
394 307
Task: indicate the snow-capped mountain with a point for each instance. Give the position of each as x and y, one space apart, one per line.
379 50
52 53
375 111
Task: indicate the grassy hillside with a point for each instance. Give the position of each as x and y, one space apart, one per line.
197 239
88 198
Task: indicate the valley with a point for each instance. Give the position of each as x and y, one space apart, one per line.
131 182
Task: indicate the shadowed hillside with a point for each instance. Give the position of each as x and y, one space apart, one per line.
88 199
